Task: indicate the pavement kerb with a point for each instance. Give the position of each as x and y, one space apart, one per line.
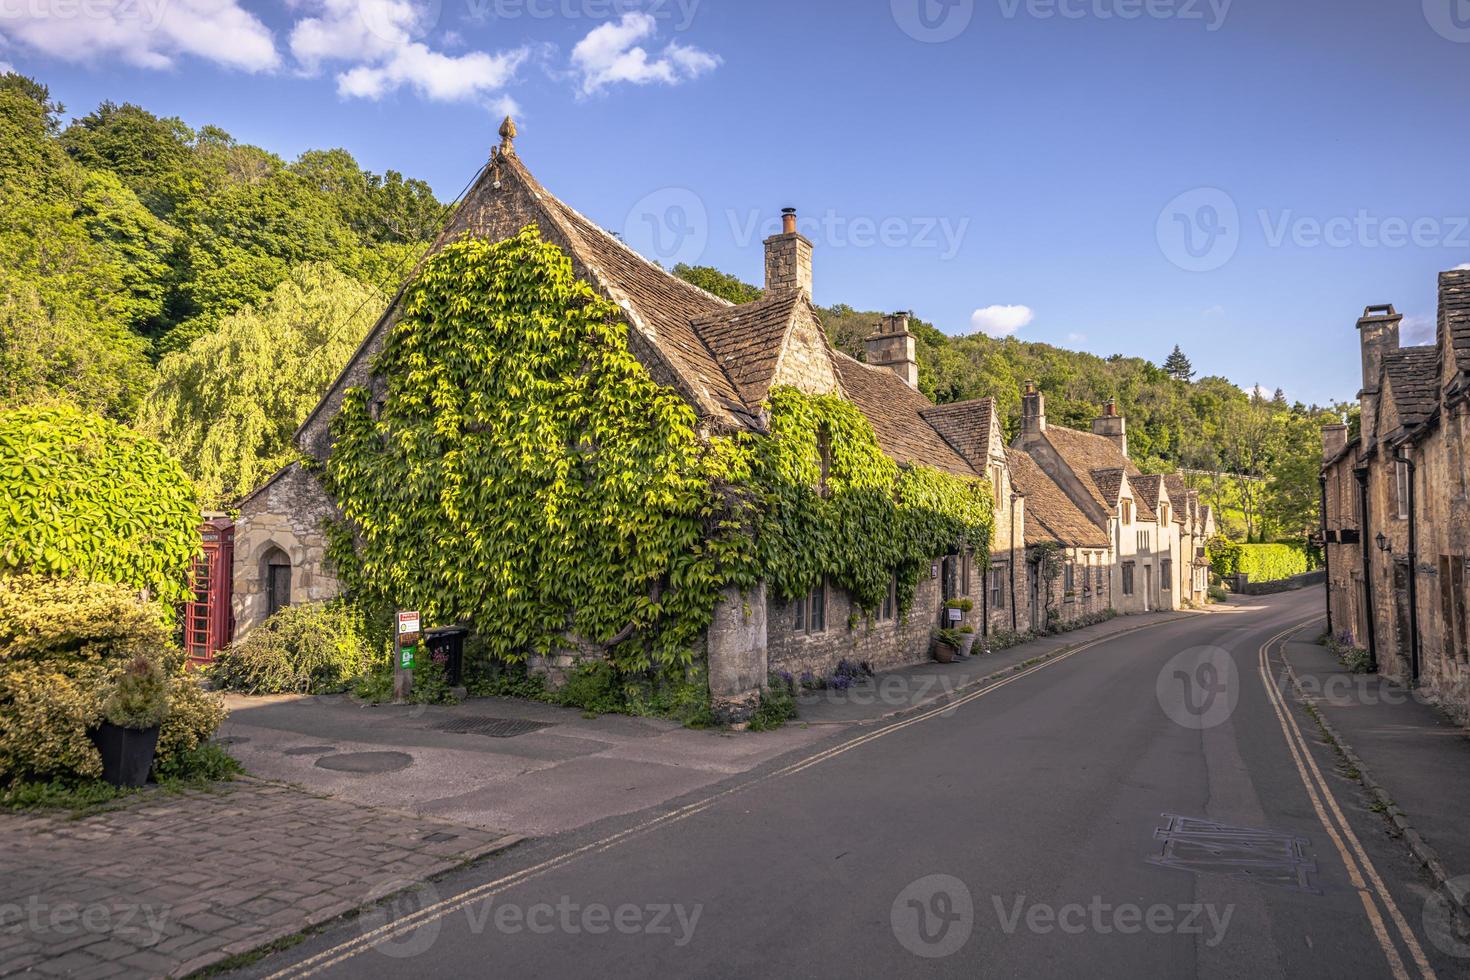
1006 671
1422 850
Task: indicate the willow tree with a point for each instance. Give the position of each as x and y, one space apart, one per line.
227 405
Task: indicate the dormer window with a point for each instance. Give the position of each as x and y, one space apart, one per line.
1163 513
1127 506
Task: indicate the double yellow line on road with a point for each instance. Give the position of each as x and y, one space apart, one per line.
358 944
1359 867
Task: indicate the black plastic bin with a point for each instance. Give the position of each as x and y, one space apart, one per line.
449 641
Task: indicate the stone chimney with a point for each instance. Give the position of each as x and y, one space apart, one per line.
1334 440
1033 414
1378 331
788 259
892 347
1112 426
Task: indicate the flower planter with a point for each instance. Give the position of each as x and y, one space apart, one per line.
943 652
127 753
967 643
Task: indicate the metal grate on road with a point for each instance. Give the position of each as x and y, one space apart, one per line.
489 727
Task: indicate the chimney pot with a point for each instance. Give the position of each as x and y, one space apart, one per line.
788 221
1112 426
1033 413
892 346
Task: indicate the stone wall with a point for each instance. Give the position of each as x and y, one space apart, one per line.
881 644
286 513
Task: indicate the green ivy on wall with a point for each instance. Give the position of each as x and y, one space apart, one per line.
864 521
522 473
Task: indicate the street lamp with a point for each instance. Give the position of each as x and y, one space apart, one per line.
1382 540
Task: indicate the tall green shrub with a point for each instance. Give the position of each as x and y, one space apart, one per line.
305 649
84 496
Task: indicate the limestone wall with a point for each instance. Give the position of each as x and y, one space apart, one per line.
287 513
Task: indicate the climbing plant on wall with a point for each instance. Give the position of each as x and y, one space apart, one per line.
834 504
520 471
523 473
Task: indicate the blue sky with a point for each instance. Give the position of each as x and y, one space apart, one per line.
1240 177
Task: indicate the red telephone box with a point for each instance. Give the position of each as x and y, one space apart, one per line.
209 622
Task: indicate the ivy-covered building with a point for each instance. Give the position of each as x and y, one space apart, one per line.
553 440
1396 520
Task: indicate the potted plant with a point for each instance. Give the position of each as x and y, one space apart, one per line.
132 714
967 641
946 645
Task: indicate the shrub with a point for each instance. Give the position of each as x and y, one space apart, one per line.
1217 593
194 716
777 704
64 644
1262 562
88 497
307 649
139 697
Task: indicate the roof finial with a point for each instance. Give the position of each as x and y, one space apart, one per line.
508 135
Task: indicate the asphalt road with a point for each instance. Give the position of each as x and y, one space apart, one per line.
1140 808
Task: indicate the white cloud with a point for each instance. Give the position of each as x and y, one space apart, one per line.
610 54
1417 329
382 42
146 33
1463 267
1001 321
1076 339
1216 310
6 68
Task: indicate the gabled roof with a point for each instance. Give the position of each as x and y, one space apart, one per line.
895 411
966 426
1050 513
1454 314
1149 488
747 340
1185 499
1107 486
1413 376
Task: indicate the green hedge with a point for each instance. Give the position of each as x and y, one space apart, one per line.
1262 562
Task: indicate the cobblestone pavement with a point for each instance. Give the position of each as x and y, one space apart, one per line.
171 883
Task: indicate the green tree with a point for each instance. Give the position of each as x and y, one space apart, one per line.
1177 365
228 404
722 284
150 155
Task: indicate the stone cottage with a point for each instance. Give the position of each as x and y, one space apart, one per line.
1396 521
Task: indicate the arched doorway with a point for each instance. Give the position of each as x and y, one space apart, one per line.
276 577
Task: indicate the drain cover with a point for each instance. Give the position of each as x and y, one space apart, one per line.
438 838
1206 847
492 727
366 762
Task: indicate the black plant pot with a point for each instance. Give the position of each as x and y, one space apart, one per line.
127 753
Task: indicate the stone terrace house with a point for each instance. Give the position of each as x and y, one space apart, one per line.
723 359
1396 520
1134 511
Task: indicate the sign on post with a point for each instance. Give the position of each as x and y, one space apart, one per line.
405 653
